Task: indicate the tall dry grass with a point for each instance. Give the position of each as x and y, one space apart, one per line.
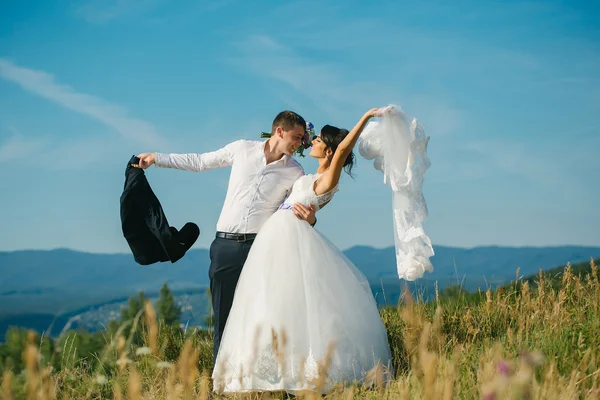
518 342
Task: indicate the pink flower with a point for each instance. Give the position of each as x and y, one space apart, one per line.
503 368
490 396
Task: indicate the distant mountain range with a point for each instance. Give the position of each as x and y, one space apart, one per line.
39 286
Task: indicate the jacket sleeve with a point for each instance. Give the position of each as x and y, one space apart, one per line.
199 162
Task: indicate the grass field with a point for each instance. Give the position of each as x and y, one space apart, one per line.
536 338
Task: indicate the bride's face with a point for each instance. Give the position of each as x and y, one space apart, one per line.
318 148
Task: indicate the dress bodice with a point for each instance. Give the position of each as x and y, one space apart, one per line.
303 192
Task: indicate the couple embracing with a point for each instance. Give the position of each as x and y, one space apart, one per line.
286 300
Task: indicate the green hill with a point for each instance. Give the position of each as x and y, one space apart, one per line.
555 275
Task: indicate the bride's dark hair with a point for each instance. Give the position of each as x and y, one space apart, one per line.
332 137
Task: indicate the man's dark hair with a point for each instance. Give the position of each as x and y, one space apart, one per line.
287 120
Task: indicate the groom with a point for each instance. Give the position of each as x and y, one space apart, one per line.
262 176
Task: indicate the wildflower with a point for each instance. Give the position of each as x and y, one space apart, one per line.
490 396
534 359
142 351
163 364
503 368
123 361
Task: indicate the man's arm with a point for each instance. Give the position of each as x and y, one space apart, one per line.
191 161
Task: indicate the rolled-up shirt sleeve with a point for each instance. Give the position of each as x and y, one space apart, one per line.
198 162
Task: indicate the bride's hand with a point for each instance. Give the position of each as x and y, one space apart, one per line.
374 112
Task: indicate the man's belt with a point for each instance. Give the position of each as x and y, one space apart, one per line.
240 237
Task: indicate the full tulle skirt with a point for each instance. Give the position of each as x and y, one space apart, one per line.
303 316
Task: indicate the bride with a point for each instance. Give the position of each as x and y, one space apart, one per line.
303 316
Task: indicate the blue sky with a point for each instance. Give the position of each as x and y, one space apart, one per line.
508 91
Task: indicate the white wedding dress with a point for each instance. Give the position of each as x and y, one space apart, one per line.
297 295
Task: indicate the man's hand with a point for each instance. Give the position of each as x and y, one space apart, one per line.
146 160
305 213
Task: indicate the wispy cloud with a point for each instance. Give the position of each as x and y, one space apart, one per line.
99 11
563 165
560 165
437 115
83 154
333 87
44 85
366 61
17 147
21 149
383 42
183 12
322 83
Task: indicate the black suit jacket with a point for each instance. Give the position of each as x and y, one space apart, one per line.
145 225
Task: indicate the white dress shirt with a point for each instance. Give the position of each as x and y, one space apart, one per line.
255 190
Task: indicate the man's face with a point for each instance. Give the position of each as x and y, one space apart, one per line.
292 139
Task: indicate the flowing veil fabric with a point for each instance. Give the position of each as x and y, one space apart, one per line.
399 150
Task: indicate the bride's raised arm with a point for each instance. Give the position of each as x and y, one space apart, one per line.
331 177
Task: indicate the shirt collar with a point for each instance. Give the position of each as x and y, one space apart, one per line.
283 159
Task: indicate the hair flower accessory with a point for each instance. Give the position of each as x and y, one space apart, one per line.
306 139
